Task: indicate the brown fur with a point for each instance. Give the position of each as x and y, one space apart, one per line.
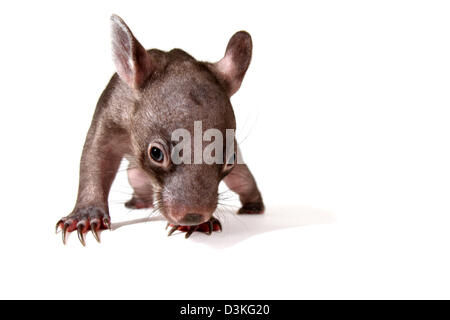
154 93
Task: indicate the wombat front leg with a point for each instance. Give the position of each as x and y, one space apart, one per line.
100 160
142 188
241 181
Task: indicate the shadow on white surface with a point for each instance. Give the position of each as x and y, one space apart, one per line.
117 225
237 228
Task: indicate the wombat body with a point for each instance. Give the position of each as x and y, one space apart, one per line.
152 95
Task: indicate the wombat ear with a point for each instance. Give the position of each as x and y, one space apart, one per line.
133 63
231 69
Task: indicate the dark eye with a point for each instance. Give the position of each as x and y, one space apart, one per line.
156 154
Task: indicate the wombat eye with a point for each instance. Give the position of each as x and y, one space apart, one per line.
156 154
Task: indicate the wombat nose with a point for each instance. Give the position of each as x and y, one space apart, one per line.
191 219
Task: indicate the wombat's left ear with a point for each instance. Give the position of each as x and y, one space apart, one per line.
133 63
230 70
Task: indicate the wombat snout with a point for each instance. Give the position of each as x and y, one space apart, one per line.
191 219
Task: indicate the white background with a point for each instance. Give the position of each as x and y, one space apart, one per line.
344 114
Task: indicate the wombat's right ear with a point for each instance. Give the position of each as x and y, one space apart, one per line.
230 70
133 63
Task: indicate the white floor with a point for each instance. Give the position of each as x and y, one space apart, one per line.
293 251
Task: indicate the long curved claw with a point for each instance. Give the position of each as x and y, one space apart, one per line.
94 226
80 229
219 225
191 231
174 228
57 226
64 232
107 223
167 225
210 228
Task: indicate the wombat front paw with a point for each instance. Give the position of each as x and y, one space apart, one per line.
252 208
207 227
89 218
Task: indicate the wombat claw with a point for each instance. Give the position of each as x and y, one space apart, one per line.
82 223
207 227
